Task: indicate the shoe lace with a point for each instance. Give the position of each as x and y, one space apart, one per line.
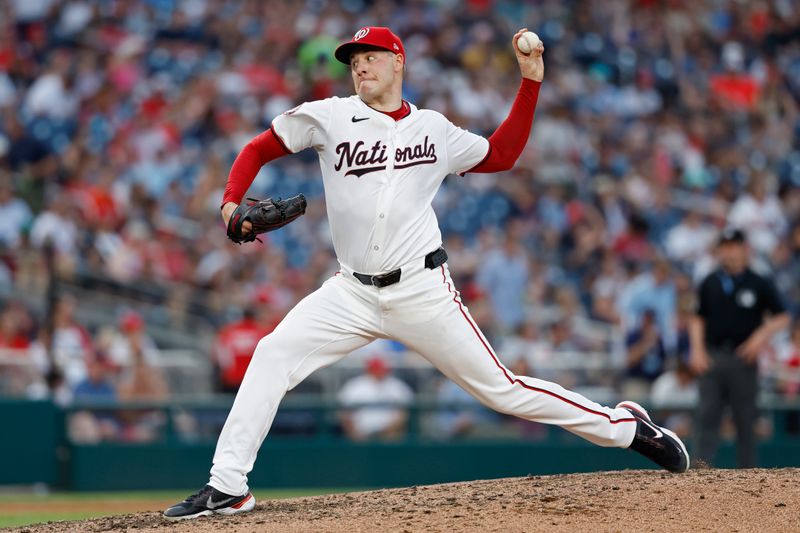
201 494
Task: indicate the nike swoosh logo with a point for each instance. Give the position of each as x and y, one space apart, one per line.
211 504
653 427
354 119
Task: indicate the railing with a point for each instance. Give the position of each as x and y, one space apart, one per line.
199 419
196 367
183 369
190 373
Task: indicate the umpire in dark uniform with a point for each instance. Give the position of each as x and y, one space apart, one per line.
738 312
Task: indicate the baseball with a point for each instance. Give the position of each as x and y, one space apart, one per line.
527 42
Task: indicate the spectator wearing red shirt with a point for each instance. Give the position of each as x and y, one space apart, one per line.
237 341
12 336
633 243
15 375
734 89
789 364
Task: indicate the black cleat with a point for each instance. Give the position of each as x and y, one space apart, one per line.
658 444
210 501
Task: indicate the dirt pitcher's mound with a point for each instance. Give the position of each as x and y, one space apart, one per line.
701 500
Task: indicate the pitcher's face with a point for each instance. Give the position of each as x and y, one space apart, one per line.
374 72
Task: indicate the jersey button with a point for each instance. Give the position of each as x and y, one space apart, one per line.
376 247
381 216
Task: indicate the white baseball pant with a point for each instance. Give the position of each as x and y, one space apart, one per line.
425 313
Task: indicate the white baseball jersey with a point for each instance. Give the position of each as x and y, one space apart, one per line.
380 175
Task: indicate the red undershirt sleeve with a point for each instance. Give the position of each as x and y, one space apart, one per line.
257 153
508 141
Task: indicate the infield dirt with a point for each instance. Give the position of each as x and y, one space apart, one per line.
701 500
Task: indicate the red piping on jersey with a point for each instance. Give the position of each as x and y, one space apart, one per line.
509 139
515 380
258 152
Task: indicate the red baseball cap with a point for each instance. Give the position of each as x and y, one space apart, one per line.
131 321
377 366
376 36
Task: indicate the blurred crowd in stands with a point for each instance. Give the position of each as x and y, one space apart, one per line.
658 124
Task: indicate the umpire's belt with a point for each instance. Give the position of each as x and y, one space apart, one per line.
434 259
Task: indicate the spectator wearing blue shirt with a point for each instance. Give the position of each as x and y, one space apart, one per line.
91 426
97 385
654 291
503 276
645 350
15 215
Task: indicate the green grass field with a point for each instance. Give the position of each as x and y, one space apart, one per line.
19 509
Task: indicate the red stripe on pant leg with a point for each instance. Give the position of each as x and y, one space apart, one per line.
516 380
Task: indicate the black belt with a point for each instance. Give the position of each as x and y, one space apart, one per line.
434 259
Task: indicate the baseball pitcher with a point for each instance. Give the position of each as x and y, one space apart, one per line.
382 161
